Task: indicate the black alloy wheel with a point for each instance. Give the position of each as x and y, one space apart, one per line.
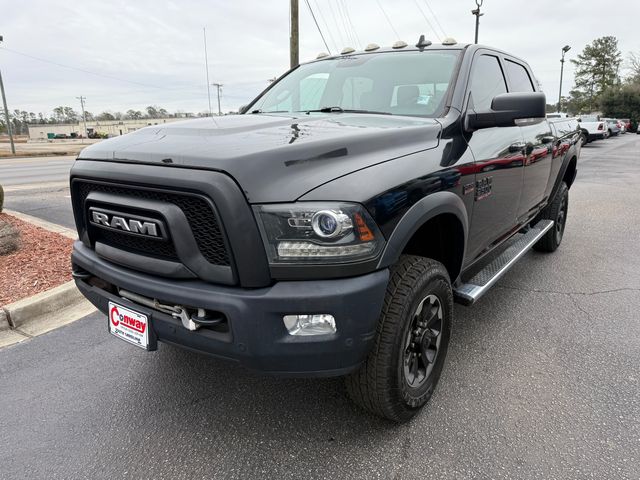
422 343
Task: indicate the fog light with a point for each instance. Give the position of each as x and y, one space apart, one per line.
320 324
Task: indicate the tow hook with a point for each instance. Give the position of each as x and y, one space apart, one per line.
176 311
185 318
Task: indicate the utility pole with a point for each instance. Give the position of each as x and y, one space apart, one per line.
84 117
218 87
565 49
477 13
6 112
206 64
294 38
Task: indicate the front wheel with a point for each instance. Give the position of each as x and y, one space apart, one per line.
404 365
557 211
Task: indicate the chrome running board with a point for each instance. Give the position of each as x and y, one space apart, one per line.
469 292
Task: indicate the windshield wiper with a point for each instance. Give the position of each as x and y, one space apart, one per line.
269 111
345 110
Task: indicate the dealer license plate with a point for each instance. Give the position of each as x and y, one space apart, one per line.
129 325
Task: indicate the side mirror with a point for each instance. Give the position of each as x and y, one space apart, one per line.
509 110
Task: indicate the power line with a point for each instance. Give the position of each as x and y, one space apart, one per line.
317 26
435 17
79 69
347 32
388 19
333 40
353 28
427 20
335 21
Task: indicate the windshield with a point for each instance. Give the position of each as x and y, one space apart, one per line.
397 83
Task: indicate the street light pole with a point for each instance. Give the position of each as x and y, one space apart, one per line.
6 112
565 49
477 13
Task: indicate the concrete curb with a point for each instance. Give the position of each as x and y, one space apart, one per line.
42 313
38 222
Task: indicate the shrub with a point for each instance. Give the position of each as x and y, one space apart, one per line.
9 238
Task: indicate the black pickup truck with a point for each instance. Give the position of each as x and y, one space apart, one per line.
328 228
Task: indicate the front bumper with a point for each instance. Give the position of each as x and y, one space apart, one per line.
257 337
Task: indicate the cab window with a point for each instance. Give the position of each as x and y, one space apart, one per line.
487 81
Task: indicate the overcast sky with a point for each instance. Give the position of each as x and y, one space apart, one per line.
133 53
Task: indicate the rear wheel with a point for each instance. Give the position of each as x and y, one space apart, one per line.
404 365
556 211
583 140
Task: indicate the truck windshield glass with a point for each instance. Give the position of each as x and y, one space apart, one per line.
398 83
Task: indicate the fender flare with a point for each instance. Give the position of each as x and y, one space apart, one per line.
421 212
571 154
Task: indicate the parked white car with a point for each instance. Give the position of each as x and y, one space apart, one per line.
593 128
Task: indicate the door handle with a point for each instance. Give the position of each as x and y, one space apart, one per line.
517 147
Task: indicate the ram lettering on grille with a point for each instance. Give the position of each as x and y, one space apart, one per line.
127 225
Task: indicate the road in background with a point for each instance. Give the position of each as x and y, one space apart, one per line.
541 381
38 186
34 170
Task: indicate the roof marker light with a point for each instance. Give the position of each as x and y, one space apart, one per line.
449 41
399 44
322 55
371 47
347 50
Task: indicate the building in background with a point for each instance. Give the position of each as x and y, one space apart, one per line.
110 128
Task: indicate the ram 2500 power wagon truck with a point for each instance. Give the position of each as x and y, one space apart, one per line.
328 228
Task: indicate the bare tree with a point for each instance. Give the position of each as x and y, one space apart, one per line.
633 65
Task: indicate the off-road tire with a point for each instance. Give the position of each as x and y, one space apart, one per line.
381 384
556 211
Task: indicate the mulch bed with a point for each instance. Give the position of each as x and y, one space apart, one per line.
42 262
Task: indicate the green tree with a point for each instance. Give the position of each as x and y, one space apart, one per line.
70 115
106 116
623 102
152 111
58 114
597 69
134 114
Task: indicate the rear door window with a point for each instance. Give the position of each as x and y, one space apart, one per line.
518 77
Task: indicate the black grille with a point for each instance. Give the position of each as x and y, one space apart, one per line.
140 245
201 217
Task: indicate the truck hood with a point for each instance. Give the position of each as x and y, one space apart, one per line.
274 158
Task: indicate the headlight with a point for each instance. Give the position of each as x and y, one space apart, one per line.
310 232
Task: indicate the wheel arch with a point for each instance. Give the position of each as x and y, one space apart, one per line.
443 212
570 171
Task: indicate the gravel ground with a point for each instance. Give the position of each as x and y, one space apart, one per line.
541 382
42 262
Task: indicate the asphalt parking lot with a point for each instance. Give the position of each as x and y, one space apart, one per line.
542 381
